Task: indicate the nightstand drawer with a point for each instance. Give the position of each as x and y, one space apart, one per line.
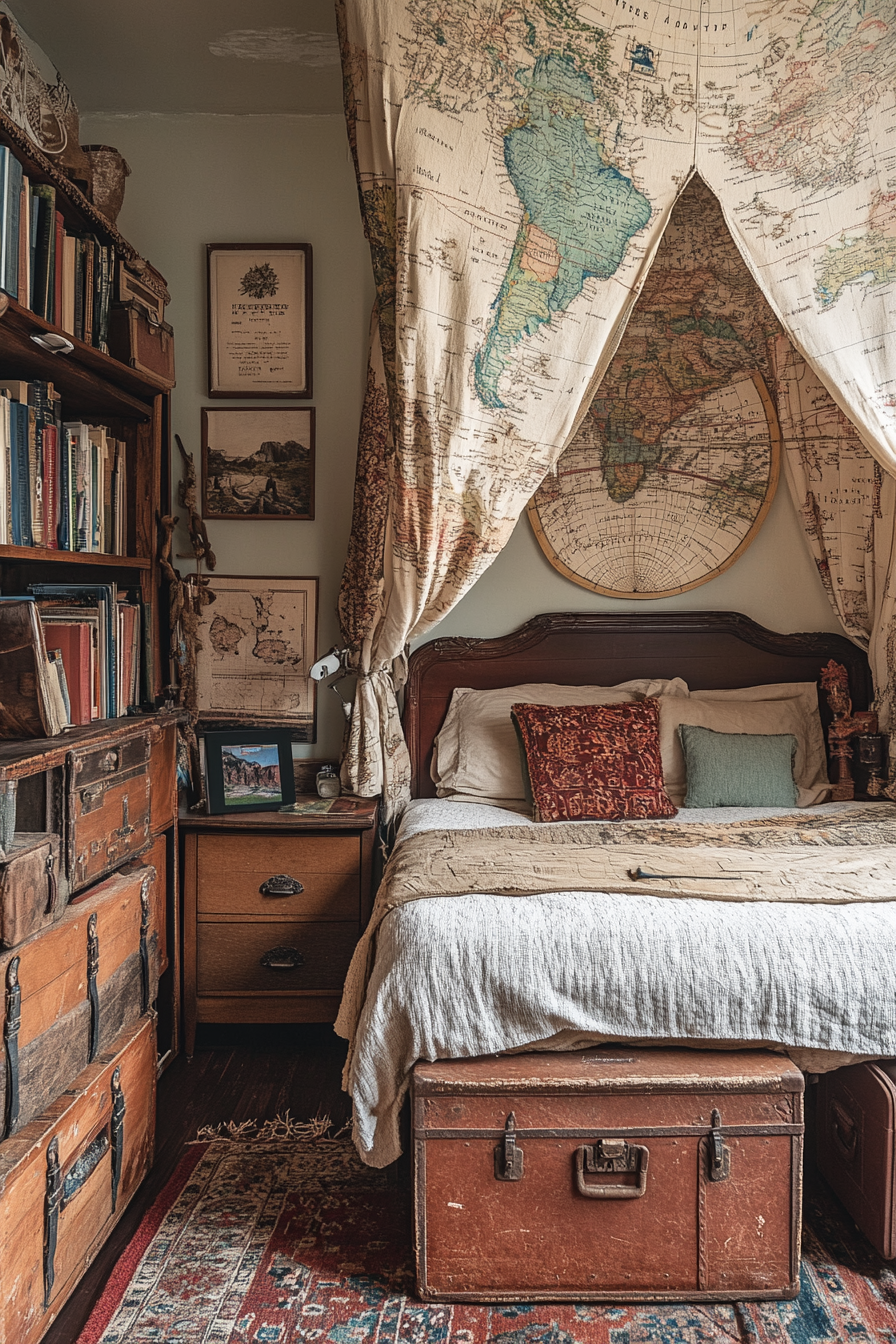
258 875
230 957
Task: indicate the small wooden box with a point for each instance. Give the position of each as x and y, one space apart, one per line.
608 1176
144 344
66 1179
856 1147
33 887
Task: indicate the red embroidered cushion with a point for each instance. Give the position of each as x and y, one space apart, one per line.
593 762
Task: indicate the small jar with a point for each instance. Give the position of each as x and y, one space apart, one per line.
328 785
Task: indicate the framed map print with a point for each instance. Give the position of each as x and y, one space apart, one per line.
258 642
259 320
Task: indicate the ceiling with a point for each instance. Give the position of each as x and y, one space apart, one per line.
190 55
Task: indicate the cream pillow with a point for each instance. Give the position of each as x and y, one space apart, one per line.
784 707
477 757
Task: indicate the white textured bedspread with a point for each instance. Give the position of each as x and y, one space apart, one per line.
468 975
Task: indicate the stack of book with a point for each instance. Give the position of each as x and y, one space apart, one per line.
63 484
69 654
64 277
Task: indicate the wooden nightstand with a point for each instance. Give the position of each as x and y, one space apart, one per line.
274 903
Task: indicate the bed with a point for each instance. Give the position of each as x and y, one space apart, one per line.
532 958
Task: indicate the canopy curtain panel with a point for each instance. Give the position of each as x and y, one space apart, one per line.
516 171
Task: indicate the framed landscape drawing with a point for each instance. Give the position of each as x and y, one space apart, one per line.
259 320
258 642
258 463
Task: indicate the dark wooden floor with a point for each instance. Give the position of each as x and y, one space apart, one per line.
237 1073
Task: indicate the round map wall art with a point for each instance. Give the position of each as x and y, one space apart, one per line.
676 462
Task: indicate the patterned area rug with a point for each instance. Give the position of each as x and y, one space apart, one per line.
273 1243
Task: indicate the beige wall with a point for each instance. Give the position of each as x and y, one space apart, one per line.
199 179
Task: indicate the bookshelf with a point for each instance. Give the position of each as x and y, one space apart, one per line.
97 389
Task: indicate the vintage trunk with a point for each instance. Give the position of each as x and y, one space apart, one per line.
608 1175
67 1177
33 887
109 805
73 988
135 338
856 1146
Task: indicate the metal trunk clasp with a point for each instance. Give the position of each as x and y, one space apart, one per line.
508 1157
719 1152
610 1156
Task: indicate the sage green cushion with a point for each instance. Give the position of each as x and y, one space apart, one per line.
738 769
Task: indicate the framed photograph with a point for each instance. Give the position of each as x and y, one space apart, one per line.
258 642
258 463
259 319
248 771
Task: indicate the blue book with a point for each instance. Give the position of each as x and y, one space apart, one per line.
11 216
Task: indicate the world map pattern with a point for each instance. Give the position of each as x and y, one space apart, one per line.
517 166
676 462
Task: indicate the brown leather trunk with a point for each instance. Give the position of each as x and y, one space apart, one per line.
137 339
608 1175
73 988
109 811
33 886
856 1149
67 1177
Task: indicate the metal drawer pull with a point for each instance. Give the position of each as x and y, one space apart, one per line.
109 762
281 885
612 1155
283 959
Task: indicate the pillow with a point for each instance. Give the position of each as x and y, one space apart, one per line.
787 707
476 757
738 769
593 762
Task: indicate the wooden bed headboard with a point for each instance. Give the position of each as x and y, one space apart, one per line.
711 650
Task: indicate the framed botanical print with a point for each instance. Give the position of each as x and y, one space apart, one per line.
259 320
258 463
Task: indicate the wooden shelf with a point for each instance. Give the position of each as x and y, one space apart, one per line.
96 383
40 554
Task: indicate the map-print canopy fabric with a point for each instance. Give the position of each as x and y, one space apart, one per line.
517 166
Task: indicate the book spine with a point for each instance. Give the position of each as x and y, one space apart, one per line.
11 227
58 267
35 225
36 477
64 440
89 252
51 486
5 161
79 288
24 279
46 242
22 501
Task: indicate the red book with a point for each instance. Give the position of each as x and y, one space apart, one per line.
57 274
74 642
51 486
